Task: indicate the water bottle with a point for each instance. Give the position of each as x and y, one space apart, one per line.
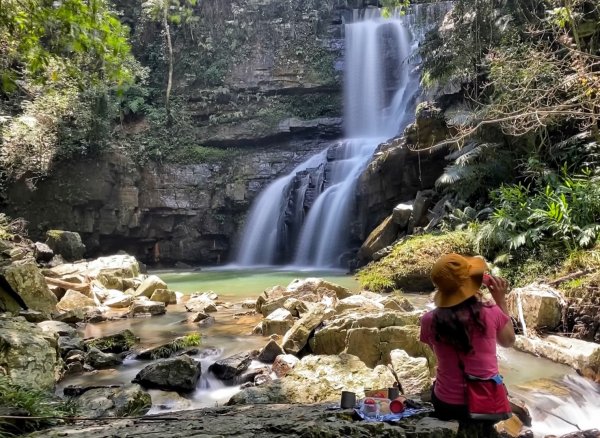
370 408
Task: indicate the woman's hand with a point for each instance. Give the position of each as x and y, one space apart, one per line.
498 288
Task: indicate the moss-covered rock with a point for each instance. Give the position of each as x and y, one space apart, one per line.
117 343
408 266
29 355
66 243
27 281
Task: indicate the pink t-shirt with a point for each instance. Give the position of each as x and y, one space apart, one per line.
482 362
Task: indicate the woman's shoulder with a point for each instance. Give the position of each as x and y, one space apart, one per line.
427 316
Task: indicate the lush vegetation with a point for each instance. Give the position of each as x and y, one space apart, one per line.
525 137
64 69
32 403
409 265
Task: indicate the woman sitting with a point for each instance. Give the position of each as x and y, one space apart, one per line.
463 332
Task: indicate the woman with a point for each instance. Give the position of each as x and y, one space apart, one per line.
463 330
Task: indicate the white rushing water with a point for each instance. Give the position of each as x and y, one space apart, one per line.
304 218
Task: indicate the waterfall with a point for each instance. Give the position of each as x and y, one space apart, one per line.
305 217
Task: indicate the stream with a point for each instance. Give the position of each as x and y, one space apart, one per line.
559 399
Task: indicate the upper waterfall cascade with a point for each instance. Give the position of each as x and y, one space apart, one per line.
304 218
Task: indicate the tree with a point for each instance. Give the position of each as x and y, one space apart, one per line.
165 12
83 36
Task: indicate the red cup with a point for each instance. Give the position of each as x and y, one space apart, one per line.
486 279
397 406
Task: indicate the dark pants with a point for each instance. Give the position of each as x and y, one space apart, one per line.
467 428
446 411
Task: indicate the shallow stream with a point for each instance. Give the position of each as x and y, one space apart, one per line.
559 399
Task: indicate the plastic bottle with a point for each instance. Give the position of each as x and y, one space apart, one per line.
370 408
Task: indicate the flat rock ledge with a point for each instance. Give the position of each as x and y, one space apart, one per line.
250 421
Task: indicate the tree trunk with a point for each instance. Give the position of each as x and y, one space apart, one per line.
170 60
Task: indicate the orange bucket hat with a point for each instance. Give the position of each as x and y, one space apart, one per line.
457 278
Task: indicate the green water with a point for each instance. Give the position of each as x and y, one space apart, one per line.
244 283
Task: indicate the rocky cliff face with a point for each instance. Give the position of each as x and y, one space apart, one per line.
259 79
189 213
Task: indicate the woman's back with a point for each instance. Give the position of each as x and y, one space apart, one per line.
481 362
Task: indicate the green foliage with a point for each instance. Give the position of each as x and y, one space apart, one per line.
67 75
36 403
561 213
408 266
84 37
475 168
388 6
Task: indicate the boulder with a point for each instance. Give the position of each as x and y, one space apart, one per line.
58 328
271 306
413 372
66 243
395 302
270 294
283 364
318 286
122 401
200 303
318 379
117 343
149 285
146 308
541 306
270 352
197 317
74 300
402 213
164 295
72 316
67 344
179 374
33 316
581 355
357 302
29 355
372 336
296 307
297 337
207 322
229 368
167 349
420 208
29 284
99 360
277 322
42 252
382 236
121 301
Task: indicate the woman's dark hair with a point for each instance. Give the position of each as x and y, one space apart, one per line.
452 325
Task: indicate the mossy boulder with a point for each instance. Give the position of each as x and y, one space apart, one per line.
66 243
117 343
29 355
27 281
408 266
